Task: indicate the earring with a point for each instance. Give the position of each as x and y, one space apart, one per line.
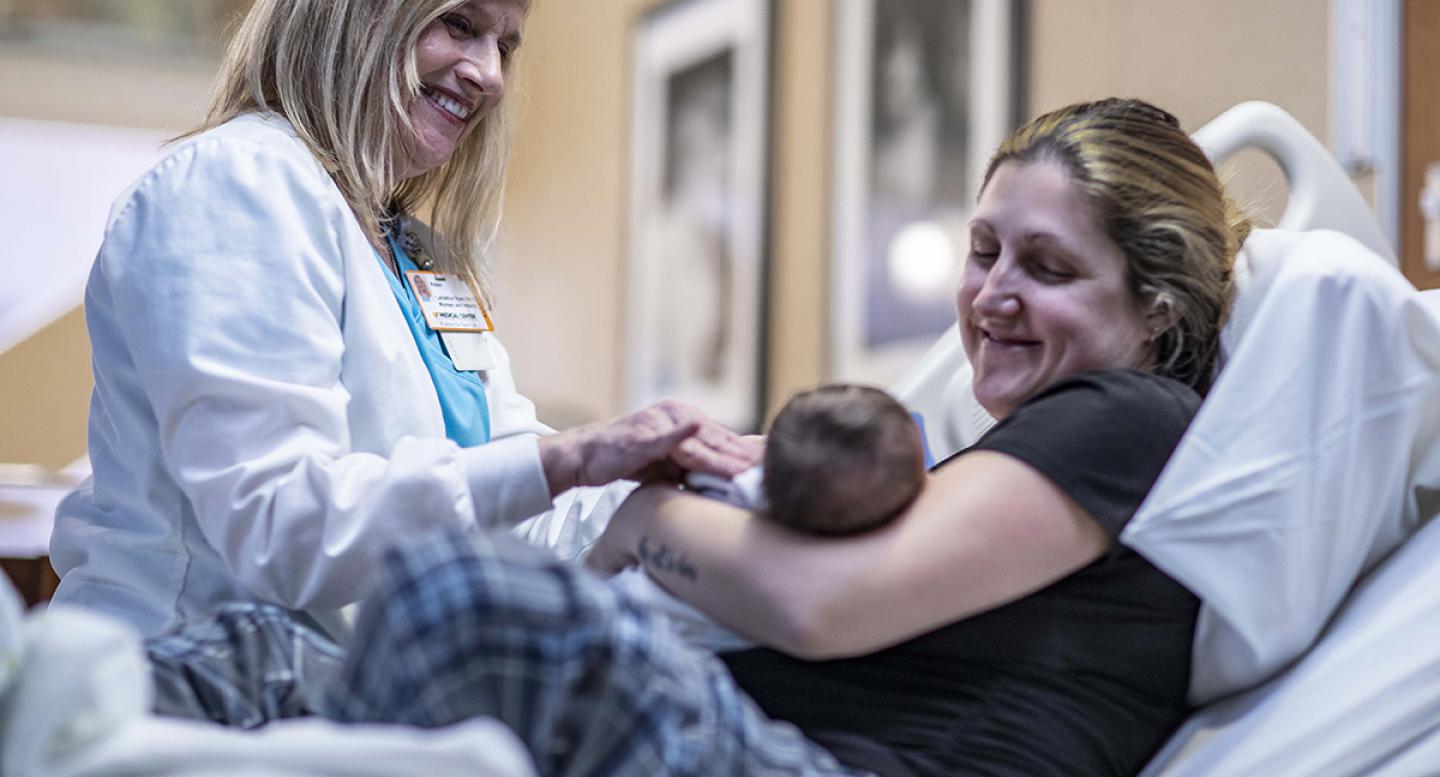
1161 306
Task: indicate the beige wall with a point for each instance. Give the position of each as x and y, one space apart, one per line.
45 381
129 93
561 286
565 235
564 240
44 391
1195 58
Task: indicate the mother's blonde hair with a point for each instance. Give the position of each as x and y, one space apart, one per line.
1159 199
343 73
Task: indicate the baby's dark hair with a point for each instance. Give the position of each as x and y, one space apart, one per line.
841 459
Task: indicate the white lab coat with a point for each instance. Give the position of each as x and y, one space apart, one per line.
262 425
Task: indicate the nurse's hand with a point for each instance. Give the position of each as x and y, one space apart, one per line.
660 442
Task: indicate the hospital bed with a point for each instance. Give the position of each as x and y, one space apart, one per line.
1292 507
1296 504
75 698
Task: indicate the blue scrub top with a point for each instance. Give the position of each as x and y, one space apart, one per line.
461 392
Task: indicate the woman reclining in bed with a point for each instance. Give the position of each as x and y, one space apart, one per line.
996 627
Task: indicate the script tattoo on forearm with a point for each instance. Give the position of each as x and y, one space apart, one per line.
659 557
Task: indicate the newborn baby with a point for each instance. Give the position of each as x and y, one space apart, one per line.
839 459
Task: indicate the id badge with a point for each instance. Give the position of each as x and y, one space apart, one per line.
452 308
448 302
469 351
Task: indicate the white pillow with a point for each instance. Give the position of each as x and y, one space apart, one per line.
939 388
1308 461
12 643
1362 702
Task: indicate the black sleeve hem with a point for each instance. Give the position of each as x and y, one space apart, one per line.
1102 437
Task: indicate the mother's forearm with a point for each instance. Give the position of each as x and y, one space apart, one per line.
761 580
987 530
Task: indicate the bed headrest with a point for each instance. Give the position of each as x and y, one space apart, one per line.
1322 196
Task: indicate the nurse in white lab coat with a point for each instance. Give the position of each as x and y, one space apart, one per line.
271 409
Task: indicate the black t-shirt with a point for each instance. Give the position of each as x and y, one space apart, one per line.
1086 676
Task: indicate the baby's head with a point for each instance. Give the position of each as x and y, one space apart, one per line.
840 459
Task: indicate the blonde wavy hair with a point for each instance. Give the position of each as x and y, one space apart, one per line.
1160 201
343 73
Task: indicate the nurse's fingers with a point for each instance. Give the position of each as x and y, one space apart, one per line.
713 448
654 443
716 455
630 445
694 456
633 445
597 454
717 435
726 441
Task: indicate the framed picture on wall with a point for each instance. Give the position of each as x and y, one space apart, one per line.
925 91
700 148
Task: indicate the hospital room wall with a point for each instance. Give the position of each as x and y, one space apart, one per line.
45 379
564 241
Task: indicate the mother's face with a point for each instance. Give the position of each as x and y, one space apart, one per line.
461 59
1043 294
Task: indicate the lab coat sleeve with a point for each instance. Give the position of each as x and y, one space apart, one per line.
232 307
577 517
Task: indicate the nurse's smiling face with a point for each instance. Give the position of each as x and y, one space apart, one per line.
1043 294
461 58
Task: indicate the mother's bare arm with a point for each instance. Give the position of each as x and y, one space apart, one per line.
987 530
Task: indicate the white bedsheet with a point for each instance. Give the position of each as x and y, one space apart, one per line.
75 698
1365 701
1313 457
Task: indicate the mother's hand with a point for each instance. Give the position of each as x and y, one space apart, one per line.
662 440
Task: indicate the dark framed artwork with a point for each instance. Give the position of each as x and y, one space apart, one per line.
700 149
925 89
